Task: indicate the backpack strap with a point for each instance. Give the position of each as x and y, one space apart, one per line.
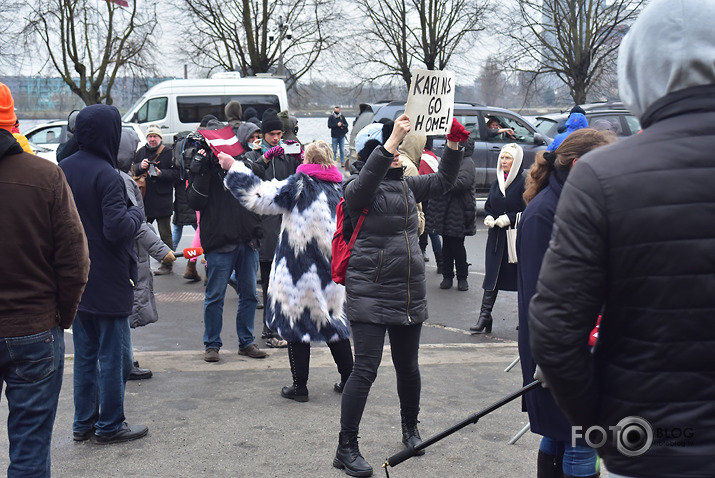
357 229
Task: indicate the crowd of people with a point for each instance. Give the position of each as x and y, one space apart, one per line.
597 233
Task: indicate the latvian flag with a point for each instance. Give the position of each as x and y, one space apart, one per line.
222 141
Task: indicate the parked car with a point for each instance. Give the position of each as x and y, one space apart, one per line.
50 135
474 117
621 121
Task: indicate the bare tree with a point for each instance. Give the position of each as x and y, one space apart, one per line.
575 40
402 34
8 33
88 42
260 36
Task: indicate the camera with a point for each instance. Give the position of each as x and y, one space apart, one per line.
152 168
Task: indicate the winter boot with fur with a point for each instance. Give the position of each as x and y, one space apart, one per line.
348 456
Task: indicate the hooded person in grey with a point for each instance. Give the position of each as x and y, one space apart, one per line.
233 113
634 240
146 243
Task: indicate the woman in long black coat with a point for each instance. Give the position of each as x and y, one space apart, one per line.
504 202
543 188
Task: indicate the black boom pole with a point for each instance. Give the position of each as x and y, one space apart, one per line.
408 453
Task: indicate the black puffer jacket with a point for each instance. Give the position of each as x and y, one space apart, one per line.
634 231
454 214
385 280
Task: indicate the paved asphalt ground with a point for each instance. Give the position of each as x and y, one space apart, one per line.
228 419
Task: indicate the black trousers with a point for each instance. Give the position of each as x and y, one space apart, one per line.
368 342
454 255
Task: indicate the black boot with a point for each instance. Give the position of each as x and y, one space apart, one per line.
343 356
446 282
484 324
548 466
410 434
348 456
299 357
139 373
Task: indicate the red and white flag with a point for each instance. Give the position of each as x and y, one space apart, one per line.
222 141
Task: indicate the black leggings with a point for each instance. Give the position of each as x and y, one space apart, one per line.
368 341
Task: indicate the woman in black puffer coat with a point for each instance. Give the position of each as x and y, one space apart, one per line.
454 216
504 202
385 282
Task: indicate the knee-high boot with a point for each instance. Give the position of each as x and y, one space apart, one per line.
548 466
484 324
343 356
299 356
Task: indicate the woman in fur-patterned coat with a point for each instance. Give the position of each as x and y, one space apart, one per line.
304 304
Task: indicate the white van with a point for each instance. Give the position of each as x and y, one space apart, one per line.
179 105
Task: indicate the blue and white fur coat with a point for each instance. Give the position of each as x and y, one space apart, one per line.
304 304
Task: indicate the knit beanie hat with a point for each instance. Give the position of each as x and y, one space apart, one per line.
7 108
271 121
233 111
154 129
285 119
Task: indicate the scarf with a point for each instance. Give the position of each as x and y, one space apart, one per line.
266 146
331 174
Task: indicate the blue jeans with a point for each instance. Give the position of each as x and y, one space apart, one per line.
31 367
577 460
176 234
244 260
339 142
102 362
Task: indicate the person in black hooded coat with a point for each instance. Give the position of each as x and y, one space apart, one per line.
504 202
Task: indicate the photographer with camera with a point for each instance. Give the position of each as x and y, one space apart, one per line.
230 237
154 161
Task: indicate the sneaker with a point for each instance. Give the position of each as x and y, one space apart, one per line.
211 355
252 351
126 433
276 343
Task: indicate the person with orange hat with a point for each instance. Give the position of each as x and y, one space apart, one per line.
42 279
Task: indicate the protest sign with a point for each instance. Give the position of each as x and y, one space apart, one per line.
430 102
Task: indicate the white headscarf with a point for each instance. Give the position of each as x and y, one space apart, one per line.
515 152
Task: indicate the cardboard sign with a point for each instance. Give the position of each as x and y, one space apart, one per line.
430 102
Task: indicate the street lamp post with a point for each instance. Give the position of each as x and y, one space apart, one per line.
283 30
